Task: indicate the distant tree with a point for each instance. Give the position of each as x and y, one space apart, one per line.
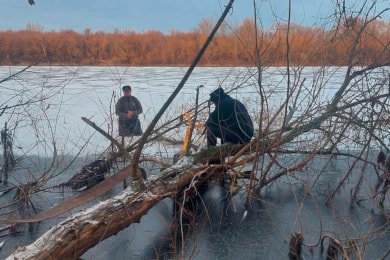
205 26
34 27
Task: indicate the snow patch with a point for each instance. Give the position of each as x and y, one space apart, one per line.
184 161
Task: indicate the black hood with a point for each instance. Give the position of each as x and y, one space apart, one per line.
217 95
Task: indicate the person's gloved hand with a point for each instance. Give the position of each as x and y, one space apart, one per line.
129 114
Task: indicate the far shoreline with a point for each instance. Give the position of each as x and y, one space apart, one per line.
165 66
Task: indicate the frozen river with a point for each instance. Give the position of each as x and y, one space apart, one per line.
222 228
62 95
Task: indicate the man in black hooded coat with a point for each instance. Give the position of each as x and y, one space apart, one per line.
230 120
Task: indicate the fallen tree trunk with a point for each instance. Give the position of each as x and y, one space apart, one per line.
81 231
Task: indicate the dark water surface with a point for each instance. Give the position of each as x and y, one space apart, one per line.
219 229
219 226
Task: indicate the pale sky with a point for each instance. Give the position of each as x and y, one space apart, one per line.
144 15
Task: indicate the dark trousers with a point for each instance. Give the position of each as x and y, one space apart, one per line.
130 127
214 131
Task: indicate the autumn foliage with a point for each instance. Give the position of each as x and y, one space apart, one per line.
231 47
